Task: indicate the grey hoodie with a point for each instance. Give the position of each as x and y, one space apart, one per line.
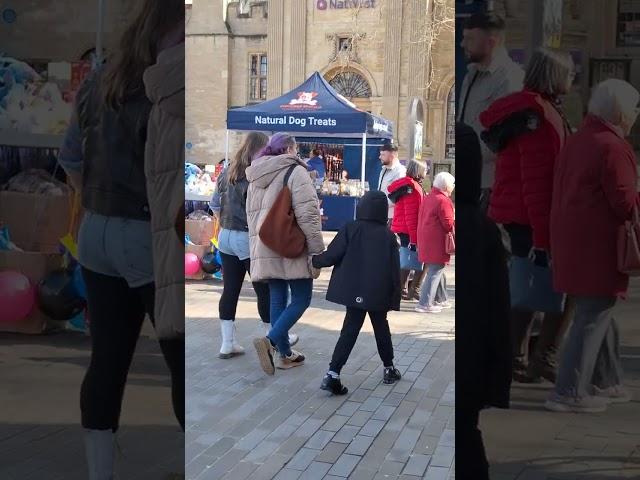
265 177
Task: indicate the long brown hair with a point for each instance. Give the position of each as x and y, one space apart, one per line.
138 49
254 142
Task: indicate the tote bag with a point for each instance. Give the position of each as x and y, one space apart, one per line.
629 246
280 230
409 260
532 287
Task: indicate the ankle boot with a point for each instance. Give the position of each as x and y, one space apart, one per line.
100 449
404 276
229 348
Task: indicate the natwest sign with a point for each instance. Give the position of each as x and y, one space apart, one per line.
344 4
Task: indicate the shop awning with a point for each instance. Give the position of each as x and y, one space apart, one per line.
314 108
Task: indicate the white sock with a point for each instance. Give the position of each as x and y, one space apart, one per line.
333 374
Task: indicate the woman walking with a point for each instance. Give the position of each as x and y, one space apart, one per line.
104 155
435 223
527 130
278 165
407 194
233 243
595 193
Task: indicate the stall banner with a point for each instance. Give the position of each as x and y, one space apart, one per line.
313 107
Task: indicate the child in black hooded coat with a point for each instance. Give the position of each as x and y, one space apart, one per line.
366 279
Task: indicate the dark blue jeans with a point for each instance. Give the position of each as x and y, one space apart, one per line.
284 316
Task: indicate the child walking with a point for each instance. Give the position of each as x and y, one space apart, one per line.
366 279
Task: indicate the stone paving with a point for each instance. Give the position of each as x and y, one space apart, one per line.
242 424
40 433
530 443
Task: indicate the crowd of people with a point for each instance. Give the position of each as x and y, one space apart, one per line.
399 229
553 201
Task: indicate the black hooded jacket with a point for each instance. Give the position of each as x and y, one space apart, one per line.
483 351
366 260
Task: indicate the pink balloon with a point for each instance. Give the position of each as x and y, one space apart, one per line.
191 264
17 297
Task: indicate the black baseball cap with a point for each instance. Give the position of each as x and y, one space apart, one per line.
389 147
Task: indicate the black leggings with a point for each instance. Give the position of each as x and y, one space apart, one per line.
234 271
116 314
351 327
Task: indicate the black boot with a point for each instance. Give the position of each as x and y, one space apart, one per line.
333 385
391 375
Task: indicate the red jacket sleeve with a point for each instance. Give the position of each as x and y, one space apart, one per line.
619 178
412 210
538 151
445 214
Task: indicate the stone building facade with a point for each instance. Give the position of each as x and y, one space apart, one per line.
599 35
240 52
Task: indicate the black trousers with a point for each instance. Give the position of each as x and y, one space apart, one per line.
116 314
353 321
234 272
473 463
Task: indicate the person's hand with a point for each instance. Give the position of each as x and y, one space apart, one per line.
412 247
315 272
540 257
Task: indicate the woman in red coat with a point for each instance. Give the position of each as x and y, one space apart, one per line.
527 130
407 195
595 191
435 221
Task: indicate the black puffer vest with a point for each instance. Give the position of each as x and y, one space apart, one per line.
113 145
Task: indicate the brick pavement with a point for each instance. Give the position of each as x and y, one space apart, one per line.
242 424
530 443
40 434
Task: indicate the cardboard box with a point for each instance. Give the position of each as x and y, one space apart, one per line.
200 231
36 222
199 251
35 266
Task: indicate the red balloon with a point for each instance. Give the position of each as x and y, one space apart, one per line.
191 264
17 297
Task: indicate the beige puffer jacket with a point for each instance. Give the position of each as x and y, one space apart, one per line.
164 169
265 178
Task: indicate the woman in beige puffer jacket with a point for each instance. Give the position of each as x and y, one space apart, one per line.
265 176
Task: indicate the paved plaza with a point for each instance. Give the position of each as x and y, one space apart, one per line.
242 424
530 443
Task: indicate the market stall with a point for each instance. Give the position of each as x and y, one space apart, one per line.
320 118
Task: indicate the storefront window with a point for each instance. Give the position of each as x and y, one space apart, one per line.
257 77
450 145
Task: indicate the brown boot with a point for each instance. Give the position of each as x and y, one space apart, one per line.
404 276
416 283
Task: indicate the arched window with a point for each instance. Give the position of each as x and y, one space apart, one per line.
450 145
351 85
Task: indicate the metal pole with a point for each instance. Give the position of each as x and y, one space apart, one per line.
226 148
364 158
99 33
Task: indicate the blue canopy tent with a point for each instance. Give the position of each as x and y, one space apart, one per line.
314 109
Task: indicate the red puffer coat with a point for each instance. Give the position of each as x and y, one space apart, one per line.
405 213
595 191
531 132
435 220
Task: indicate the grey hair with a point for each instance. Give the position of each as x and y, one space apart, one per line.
548 71
612 99
444 181
416 169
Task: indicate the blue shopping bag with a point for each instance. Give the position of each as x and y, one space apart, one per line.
532 287
409 259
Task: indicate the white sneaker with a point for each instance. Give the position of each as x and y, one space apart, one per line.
444 305
429 309
615 394
588 404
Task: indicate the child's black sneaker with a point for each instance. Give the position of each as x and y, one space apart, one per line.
391 375
333 385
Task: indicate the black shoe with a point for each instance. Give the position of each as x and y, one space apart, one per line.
333 385
391 375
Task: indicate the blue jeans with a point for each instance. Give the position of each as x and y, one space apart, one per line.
431 284
284 316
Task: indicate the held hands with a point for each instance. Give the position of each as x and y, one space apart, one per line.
315 272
